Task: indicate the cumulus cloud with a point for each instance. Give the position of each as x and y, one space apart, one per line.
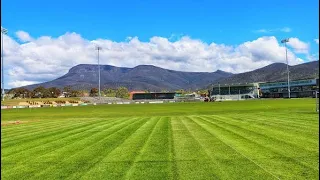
298 46
47 58
313 57
284 29
23 36
316 40
18 83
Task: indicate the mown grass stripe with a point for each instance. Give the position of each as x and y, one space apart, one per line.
279 133
132 146
172 154
31 125
26 128
287 150
226 159
42 149
92 154
27 132
11 141
227 144
254 150
61 155
220 174
198 164
77 153
307 117
27 141
50 143
153 162
265 120
292 121
129 173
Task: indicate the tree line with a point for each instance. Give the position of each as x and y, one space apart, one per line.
54 92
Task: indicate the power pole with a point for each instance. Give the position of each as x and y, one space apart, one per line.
98 48
3 31
285 45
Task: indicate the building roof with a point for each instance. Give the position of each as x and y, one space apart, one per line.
233 85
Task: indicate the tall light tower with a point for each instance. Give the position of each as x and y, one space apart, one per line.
98 48
285 45
3 31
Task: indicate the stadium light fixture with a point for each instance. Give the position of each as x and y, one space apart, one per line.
98 48
3 31
284 41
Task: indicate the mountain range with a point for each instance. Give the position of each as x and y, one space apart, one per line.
152 78
275 72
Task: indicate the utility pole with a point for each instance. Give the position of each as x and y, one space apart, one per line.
219 92
285 44
98 48
3 31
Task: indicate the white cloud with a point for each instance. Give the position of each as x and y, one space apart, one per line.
284 29
18 83
298 46
316 40
47 58
23 36
262 31
313 57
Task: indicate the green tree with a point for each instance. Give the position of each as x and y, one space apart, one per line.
75 93
110 92
40 92
46 93
55 92
94 92
83 93
122 92
67 90
20 92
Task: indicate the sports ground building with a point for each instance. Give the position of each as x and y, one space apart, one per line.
140 95
298 88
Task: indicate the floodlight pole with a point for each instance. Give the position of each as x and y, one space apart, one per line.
285 44
219 92
3 31
317 102
99 48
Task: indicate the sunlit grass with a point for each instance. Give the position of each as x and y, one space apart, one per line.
264 139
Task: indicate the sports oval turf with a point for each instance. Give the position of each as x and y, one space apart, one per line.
259 139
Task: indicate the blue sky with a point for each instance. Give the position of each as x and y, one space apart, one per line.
229 22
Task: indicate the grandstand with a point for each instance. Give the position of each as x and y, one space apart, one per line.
151 95
298 89
234 91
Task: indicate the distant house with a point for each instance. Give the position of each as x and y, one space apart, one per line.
63 95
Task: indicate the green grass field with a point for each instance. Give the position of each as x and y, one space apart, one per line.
263 139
